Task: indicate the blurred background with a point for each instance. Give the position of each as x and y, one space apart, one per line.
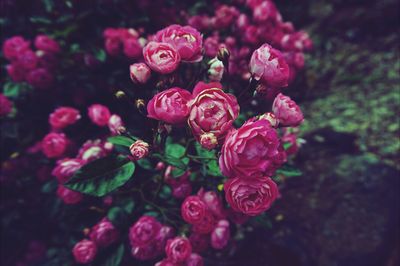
344 209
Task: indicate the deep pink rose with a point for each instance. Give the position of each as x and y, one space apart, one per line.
224 16
99 114
291 140
220 235
264 11
213 202
14 46
195 260
66 168
287 111
104 233
178 249
182 190
132 48
161 57
5 105
250 150
144 231
69 196
40 78
298 41
94 149
193 209
250 35
148 252
113 46
47 44
211 46
139 149
47 60
27 60
185 39
166 232
200 22
115 124
251 196
199 242
212 111
16 72
268 65
63 117
205 225
84 251
166 262
140 73
54 145
170 106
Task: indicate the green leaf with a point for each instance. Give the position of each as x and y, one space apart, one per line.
203 152
175 150
171 161
15 90
100 55
145 164
42 20
289 171
287 145
102 176
210 163
116 258
117 216
121 140
213 168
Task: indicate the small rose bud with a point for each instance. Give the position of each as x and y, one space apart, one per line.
160 166
139 149
216 70
271 118
208 141
140 105
223 54
120 94
84 251
140 73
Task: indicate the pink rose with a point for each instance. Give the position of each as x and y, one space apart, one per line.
14 46
94 149
290 139
182 190
211 46
99 114
212 110
250 150
84 251
220 235
166 262
140 73
54 145
40 78
139 149
178 249
161 57
147 252
205 225
166 232
170 106
199 242
193 209
185 39
104 233
213 202
200 22
132 48
264 11
251 196
195 260
5 105
271 118
16 72
63 117
69 196
47 44
298 41
66 168
208 141
113 46
27 60
144 231
115 124
224 16
268 65
287 111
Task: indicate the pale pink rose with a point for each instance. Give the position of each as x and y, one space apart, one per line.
161 57
212 110
140 73
178 249
139 149
185 39
170 106
63 117
251 196
220 235
99 114
269 66
54 145
66 168
115 124
287 111
84 251
250 150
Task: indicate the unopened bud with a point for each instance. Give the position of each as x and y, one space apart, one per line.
140 105
208 141
223 54
216 70
140 73
271 118
120 94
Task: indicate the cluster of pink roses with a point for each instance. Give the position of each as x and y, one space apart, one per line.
34 67
122 40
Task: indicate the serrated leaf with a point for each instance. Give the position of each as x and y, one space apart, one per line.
116 257
121 140
102 176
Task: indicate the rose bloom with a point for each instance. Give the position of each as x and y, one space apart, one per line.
220 235
94 149
193 209
186 40
5 105
47 44
115 124
13 46
195 260
69 196
40 78
54 145
66 168
104 233
140 73
205 225
287 111
84 251
99 114
182 190
178 249
170 106
251 196
268 65
225 16
213 202
144 231
250 150
139 149
161 57
211 46
216 70
148 252
264 11
113 46
132 48
271 118
199 242
28 60
16 72
212 110
291 139
166 232
63 117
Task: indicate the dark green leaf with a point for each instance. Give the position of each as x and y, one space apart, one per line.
102 176
121 140
41 20
203 152
116 258
100 55
117 216
289 171
287 145
145 164
171 161
213 168
175 150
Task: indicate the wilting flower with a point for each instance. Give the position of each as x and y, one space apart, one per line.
84 251
54 145
66 168
104 233
287 111
63 117
139 149
178 249
140 73
99 114
161 57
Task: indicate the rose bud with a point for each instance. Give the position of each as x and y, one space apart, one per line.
104 233
139 149
178 249
144 231
250 196
66 168
54 145
14 46
140 73
16 72
186 40
63 117
208 141
220 235
94 149
5 105
84 251
212 110
195 260
40 78
249 151
223 54
199 242
216 70
271 118
160 166
287 111
115 125
161 57
170 106
132 48
205 225
268 65
193 209
69 196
